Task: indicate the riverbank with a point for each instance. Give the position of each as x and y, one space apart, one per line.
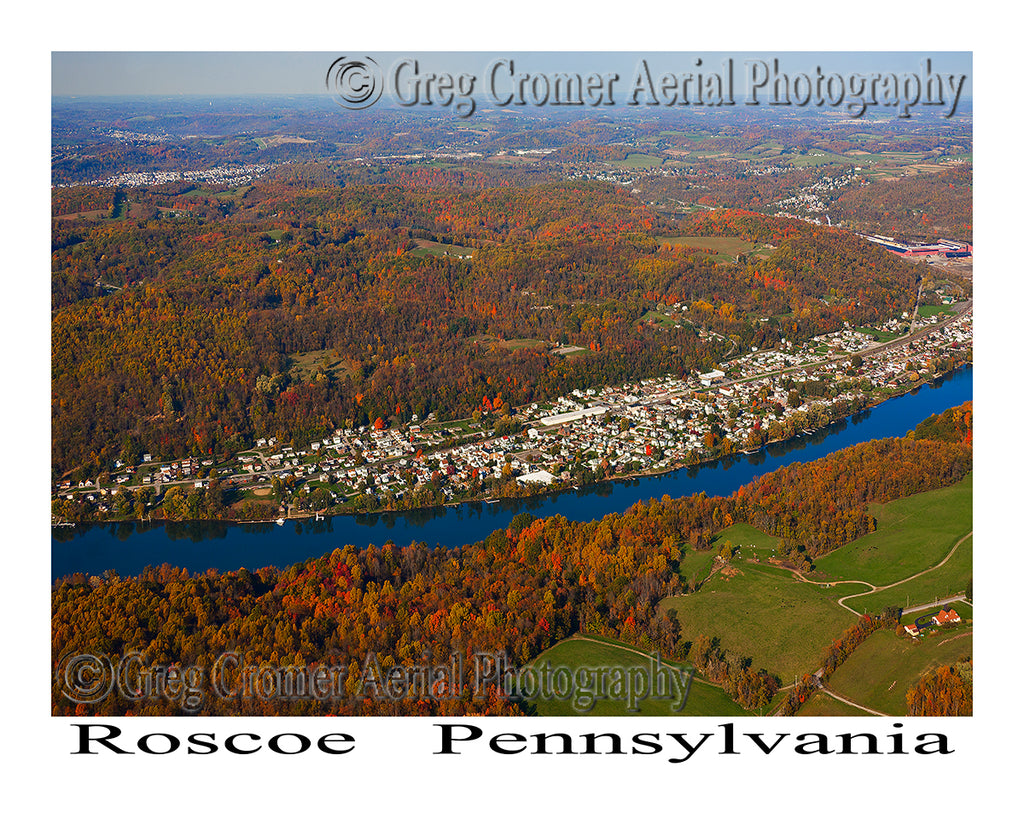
128 547
515 489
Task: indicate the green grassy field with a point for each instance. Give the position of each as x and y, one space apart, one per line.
731 245
696 565
425 247
946 581
723 248
522 343
929 310
659 319
882 669
750 541
764 613
913 534
704 699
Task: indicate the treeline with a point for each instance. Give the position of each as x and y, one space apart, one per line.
947 691
834 656
928 206
519 591
955 424
833 491
224 291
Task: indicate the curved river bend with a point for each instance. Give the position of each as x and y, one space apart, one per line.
199 545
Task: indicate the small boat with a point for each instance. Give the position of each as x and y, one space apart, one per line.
279 521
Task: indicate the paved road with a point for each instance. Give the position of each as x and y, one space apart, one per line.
938 603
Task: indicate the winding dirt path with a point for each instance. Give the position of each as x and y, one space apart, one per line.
873 588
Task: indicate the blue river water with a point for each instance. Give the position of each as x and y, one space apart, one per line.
129 547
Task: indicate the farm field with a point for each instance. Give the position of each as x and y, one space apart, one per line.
696 565
751 542
424 247
764 613
725 248
880 671
913 534
946 581
704 698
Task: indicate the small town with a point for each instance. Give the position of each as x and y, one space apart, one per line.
646 427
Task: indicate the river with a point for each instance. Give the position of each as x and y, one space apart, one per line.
127 548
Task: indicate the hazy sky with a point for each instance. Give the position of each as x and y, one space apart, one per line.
247 72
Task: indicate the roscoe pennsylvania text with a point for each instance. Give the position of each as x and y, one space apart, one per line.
463 738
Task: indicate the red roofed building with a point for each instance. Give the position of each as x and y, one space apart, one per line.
946 617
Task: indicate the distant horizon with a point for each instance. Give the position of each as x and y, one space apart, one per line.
252 73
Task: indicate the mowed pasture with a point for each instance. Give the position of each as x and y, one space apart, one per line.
929 310
723 248
764 613
751 542
696 565
948 580
424 247
913 534
885 666
575 653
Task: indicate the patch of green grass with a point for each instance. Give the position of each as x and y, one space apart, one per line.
885 666
751 542
731 246
763 613
522 343
878 335
659 318
425 247
703 699
696 565
929 310
638 161
913 534
946 581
